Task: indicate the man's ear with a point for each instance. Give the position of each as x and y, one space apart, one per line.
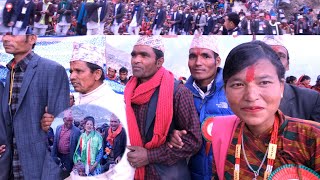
98 73
32 39
218 61
160 62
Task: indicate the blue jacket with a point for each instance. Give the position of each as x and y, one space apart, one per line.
214 104
74 138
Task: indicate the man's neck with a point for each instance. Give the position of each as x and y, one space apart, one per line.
20 57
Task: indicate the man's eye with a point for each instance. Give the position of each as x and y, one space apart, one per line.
235 85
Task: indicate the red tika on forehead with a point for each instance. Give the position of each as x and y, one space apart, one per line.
197 51
276 48
250 74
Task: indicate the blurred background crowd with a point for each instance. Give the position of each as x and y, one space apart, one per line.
169 17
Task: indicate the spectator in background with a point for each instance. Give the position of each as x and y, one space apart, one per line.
208 28
92 16
231 22
244 25
260 25
186 23
71 100
81 19
117 16
159 19
65 10
273 27
7 10
111 74
44 12
136 18
317 85
291 80
296 102
200 21
123 76
114 142
65 142
89 154
23 16
304 81
175 21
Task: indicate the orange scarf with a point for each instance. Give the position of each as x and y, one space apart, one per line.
140 95
113 135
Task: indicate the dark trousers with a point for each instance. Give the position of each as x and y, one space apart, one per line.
67 164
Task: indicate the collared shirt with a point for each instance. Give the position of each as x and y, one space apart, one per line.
186 118
201 93
17 74
64 142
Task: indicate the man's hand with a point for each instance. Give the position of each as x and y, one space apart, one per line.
137 156
11 23
46 120
2 149
175 139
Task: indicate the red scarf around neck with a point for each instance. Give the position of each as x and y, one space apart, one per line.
141 94
113 135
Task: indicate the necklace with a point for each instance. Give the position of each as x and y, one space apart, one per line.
270 153
256 173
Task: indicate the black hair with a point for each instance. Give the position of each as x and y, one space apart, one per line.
290 79
94 67
159 54
234 17
123 70
246 54
89 118
242 13
305 77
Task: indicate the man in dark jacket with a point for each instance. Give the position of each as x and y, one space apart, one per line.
208 28
159 19
114 142
243 23
297 102
231 21
117 16
7 12
92 17
65 9
23 16
65 143
136 18
44 11
175 21
273 27
186 23
4 152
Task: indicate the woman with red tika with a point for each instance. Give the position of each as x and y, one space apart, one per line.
260 142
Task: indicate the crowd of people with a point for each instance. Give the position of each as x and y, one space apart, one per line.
71 150
150 17
161 128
